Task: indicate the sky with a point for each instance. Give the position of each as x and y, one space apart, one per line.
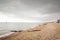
29 10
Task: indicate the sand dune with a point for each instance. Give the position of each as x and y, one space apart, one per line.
48 31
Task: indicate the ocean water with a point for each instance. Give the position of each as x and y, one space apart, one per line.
6 27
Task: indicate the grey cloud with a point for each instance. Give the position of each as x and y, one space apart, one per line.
15 6
3 1
12 7
54 5
29 8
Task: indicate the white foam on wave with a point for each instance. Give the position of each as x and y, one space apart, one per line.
4 35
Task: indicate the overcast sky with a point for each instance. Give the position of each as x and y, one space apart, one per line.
29 10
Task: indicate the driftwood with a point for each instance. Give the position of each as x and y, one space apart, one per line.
16 31
26 31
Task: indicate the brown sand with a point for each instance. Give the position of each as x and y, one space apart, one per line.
49 31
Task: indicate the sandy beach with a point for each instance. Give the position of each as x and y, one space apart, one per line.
49 31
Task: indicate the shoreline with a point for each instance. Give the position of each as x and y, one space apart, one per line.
7 34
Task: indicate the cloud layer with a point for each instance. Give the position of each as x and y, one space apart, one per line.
30 10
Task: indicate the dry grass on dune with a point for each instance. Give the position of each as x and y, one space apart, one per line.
49 31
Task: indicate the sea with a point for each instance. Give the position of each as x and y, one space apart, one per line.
7 27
